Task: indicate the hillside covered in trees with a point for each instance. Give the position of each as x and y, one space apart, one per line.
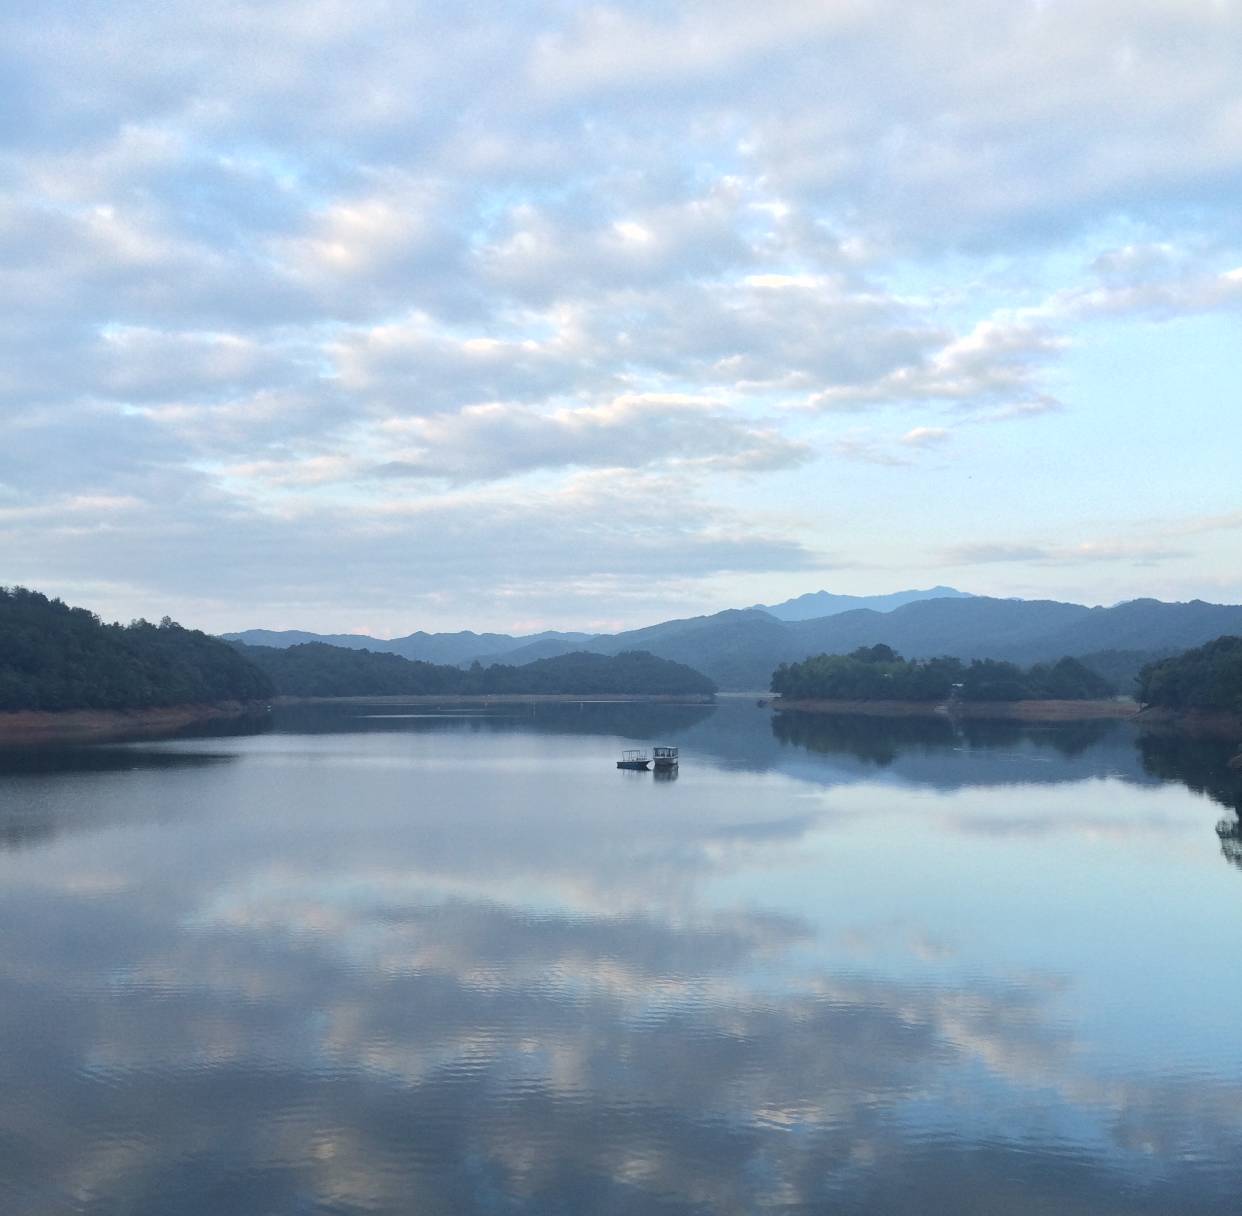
53 657
315 669
879 673
1206 678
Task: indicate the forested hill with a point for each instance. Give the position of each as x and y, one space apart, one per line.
878 673
1207 678
53 657
315 669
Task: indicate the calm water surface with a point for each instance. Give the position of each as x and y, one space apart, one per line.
378 960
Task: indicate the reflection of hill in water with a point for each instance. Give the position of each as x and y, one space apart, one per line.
1202 763
946 754
28 816
632 720
933 751
829 749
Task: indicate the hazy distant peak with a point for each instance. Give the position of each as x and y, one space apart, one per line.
825 603
461 647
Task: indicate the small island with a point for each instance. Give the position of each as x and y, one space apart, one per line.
878 680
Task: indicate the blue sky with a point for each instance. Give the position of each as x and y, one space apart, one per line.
393 316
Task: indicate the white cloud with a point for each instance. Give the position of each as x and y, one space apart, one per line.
925 436
256 252
999 363
496 440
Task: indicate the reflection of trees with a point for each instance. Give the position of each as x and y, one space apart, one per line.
1230 833
630 719
876 740
1197 761
1068 738
258 722
881 740
1201 763
24 822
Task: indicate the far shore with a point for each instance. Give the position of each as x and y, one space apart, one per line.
36 727
508 698
1021 711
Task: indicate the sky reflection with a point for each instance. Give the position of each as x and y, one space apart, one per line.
455 969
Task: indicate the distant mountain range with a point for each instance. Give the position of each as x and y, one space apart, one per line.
824 603
740 648
454 648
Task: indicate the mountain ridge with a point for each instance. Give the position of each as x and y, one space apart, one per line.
739 648
463 646
816 604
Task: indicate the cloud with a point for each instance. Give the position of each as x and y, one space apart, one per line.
594 537
892 452
867 451
1155 289
491 441
1087 552
257 251
1000 364
925 436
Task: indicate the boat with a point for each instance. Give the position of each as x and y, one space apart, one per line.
633 758
665 757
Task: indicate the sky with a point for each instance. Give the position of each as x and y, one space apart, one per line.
358 316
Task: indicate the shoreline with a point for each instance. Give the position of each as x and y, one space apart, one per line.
1192 721
1018 711
507 698
28 727
37 727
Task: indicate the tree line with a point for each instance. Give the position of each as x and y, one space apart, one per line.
54 657
1207 678
315 669
879 673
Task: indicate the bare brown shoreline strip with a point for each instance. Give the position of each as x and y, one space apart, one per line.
33 726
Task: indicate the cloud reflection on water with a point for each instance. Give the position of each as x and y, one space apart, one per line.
467 991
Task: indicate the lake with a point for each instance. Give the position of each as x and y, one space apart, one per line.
387 959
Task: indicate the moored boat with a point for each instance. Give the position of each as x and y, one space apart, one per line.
665 757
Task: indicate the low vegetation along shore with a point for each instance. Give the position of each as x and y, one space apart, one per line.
1022 711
